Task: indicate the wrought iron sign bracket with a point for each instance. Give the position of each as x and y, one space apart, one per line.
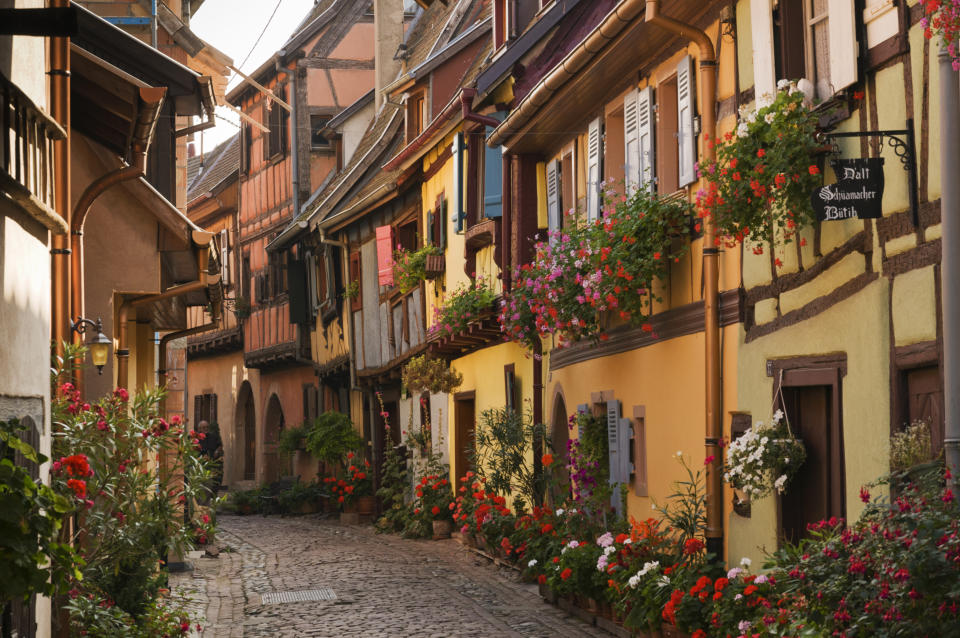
903 143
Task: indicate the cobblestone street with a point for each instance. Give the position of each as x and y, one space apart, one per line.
381 585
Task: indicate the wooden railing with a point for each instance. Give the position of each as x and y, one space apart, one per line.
28 174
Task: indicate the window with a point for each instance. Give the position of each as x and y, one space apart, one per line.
245 283
317 140
416 115
437 223
311 403
459 214
638 134
275 142
356 280
812 39
921 399
668 174
204 409
811 403
510 386
501 22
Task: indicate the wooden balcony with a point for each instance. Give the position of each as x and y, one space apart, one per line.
479 334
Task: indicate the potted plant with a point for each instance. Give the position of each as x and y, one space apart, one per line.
410 267
301 498
426 373
911 453
241 307
331 436
764 458
463 306
293 439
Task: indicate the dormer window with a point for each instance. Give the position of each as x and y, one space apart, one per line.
416 115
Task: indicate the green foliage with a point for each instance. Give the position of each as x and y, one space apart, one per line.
506 443
299 494
433 496
244 501
30 521
410 267
293 439
98 616
686 508
351 290
431 374
394 488
331 436
463 306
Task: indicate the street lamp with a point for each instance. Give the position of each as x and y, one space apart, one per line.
99 344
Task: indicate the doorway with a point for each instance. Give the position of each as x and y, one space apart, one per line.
465 424
273 424
247 426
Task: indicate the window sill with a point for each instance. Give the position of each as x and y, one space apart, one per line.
480 234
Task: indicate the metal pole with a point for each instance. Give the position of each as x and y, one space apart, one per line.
950 263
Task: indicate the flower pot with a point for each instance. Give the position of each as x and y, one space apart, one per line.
245 509
349 518
366 505
442 529
435 266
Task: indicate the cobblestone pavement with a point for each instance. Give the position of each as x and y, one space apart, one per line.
383 586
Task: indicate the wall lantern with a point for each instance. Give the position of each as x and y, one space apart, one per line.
99 344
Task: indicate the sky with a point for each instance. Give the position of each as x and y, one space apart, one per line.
232 26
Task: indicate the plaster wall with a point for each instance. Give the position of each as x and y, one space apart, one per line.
858 326
221 375
287 384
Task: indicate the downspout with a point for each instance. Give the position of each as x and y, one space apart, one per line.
170 336
950 261
711 279
294 142
538 405
345 264
60 244
142 134
466 105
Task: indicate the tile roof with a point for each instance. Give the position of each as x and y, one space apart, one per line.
213 168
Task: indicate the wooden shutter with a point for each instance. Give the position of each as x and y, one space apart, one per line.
493 182
312 280
761 30
225 257
842 25
646 136
297 290
631 142
686 110
553 195
385 255
614 442
593 169
432 228
881 19
442 221
458 212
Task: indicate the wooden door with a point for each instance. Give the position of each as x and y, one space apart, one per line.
248 423
465 423
925 401
816 491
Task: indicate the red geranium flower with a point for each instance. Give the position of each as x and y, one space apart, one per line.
565 574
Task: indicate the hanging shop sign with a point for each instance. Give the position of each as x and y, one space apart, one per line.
857 194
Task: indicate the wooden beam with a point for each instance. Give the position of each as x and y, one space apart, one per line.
270 94
247 118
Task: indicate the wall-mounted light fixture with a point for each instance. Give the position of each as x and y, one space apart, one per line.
98 343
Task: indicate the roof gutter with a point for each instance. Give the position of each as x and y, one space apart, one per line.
611 26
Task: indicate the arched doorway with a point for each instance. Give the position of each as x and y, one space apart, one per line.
272 424
246 427
560 430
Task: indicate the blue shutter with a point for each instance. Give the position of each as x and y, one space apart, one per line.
493 181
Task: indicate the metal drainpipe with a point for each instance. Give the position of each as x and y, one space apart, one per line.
60 244
711 279
153 23
170 336
950 262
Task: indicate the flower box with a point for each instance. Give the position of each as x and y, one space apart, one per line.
671 631
435 266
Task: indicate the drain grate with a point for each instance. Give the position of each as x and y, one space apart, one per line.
276 597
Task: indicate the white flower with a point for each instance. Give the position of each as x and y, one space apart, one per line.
744 625
738 597
628 541
764 101
780 482
777 416
679 454
733 573
560 511
751 117
782 84
532 563
742 130
605 539
634 581
787 461
664 581
649 567
768 118
744 562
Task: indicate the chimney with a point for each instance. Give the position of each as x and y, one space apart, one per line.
191 149
388 32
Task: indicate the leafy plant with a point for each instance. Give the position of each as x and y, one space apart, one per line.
394 488
506 442
299 494
351 290
759 187
331 437
426 373
241 307
463 306
293 439
245 501
764 458
410 266
941 20
911 446
587 270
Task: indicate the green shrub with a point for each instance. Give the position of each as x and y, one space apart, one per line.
331 436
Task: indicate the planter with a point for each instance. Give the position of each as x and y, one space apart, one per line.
614 628
442 529
366 505
671 631
547 594
349 518
435 266
307 507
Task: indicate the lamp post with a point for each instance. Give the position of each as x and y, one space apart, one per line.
98 343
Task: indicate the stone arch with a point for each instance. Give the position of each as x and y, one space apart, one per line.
273 423
246 430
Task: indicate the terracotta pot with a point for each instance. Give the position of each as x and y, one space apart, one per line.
442 529
366 505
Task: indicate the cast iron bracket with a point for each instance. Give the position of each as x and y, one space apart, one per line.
904 145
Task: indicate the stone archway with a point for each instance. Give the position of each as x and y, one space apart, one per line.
246 429
273 423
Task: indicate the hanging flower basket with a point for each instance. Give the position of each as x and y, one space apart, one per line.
764 458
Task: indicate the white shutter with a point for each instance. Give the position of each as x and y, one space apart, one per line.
882 21
842 23
761 30
686 138
631 142
224 258
553 195
613 441
593 170
645 136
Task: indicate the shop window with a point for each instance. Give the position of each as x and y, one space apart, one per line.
811 400
318 141
812 39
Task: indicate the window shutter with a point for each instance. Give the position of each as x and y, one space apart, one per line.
613 440
640 450
297 282
493 182
442 222
553 195
385 255
843 43
311 272
882 21
687 139
213 409
224 258
761 29
593 169
431 228
645 136
356 303
458 212
197 410
631 142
